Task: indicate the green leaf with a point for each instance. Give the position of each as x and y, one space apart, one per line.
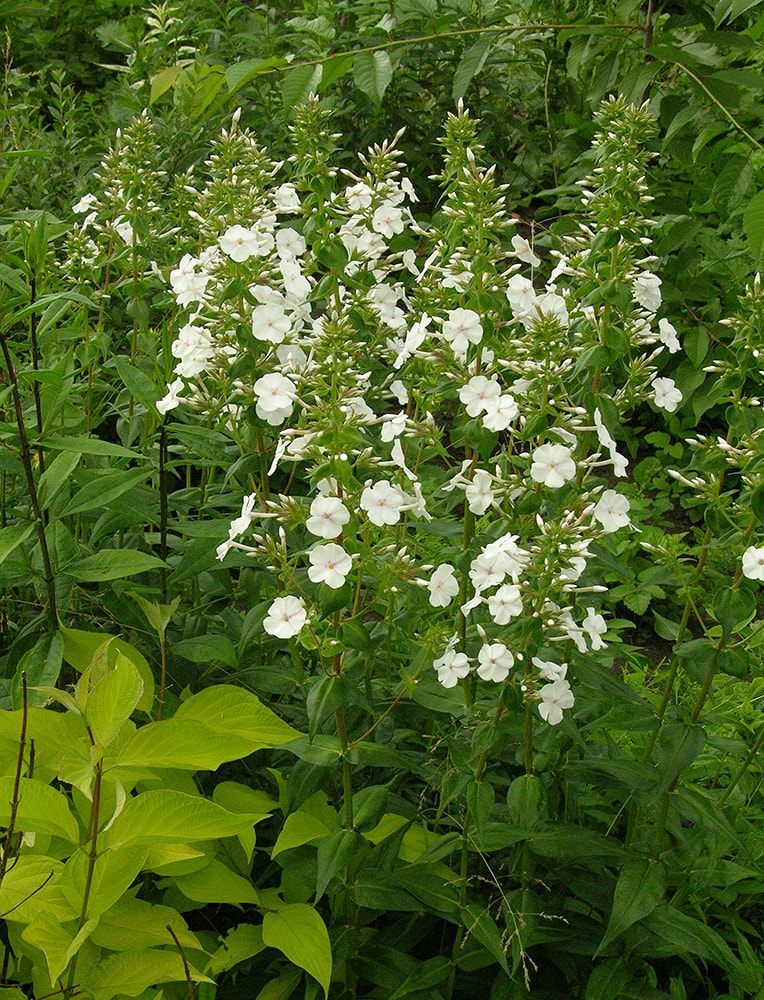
526 801
176 743
678 746
41 809
132 972
426 974
112 875
33 885
241 73
138 383
58 942
472 62
102 489
333 68
81 647
237 712
157 615
240 943
373 72
481 925
112 700
733 608
207 649
753 223
334 854
166 816
90 446
42 665
607 980
300 933
14 535
639 889
300 828
480 802
299 83
56 476
133 923
216 883
112 564
163 80
684 935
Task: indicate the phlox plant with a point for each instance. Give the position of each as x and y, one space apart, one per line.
380 467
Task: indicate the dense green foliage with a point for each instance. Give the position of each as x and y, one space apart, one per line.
263 258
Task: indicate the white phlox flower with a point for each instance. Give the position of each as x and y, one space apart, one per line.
240 243
171 400
400 460
193 349
239 525
500 412
555 697
286 617
549 305
479 492
270 323
647 291
620 464
521 296
513 558
86 203
289 243
443 586
451 666
274 394
753 563
550 670
125 231
667 335
595 627
388 220
328 516
286 199
329 564
505 604
462 328
524 251
477 394
393 425
414 339
553 465
382 503
495 661
666 395
612 511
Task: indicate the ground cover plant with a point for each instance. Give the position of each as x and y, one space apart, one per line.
381 548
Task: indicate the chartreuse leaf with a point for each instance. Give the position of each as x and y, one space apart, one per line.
133 923
81 647
300 828
189 746
236 712
113 700
41 809
240 943
58 942
163 80
639 889
112 875
298 932
101 490
216 883
56 475
33 885
165 815
132 972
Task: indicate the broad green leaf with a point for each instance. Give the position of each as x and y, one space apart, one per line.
57 941
31 885
41 809
235 797
90 446
164 815
480 801
678 746
207 649
216 883
526 801
157 615
113 700
300 828
14 535
80 647
102 489
138 384
281 988
733 608
373 72
639 889
684 935
56 475
753 223
333 68
334 854
240 73
472 62
240 943
607 980
298 931
132 923
176 743
482 926
132 972
111 564
425 975
163 80
41 665
299 83
578 844
112 875
237 712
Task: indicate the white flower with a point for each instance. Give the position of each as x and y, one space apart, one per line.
753 563
647 291
550 670
451 666
387 220
289 243
171 400
382 503
125 230
487 570
399 390
500 413
239 243
393 425
612 511
595 626
478 393
443 586
505 604
553 465
554 698
274 398
358 196
495 662
521 295
524 251
270 323
413 341
286 617
479 494
462 328
667 335
552 306
187 285
328 516
240 524
296 285
85 204
286 199
667 396
329 564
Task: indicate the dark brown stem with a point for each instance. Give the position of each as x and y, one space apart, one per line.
8 845
186 969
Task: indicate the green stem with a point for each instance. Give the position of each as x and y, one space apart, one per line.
742 769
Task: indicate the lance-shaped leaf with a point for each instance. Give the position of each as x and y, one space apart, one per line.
41 809
113 872
58 942
113 700
299 932
237 713
639 889
132 972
